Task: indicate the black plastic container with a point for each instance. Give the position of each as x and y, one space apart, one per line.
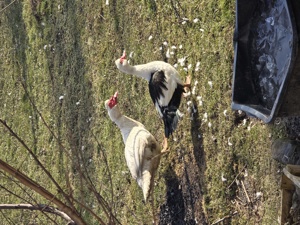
266 76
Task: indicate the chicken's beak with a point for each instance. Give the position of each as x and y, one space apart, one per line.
116 95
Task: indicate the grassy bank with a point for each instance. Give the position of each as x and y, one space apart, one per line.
57 69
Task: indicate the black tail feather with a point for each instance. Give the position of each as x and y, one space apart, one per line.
170 119
170 116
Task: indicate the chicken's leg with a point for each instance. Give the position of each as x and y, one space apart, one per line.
165 145
164 150
187 85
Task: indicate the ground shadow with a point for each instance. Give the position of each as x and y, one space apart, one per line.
20 42
197 140
185 193
172 211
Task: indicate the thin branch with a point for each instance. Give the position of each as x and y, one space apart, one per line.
6 218
224 218
25 191
44 121
10 192
246 193
42 191
7 6
39 207
39 163
18 184
104 206
236 177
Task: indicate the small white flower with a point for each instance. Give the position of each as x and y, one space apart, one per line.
61 97
168 53
185 69
107 2
225 112
173 47
229 142
204 117
199 98
183 22
210 83
223 178
182 61
58 7
209 124
202 30
165 43
196 20
189 66
199 136
150 37
259 194
45 47
180 46
77 103
189 103
160 48
197 66
194 90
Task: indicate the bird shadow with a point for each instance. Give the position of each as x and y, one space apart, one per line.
193 178
197 140
172 211
184 195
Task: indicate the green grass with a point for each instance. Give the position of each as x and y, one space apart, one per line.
68 49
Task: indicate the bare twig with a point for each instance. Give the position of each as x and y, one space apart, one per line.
42 191
224 218
67 197
7 6
25 191
86 177
39 207
6 218
247 196
236 177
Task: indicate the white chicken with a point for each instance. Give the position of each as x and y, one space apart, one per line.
142 152
165 87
